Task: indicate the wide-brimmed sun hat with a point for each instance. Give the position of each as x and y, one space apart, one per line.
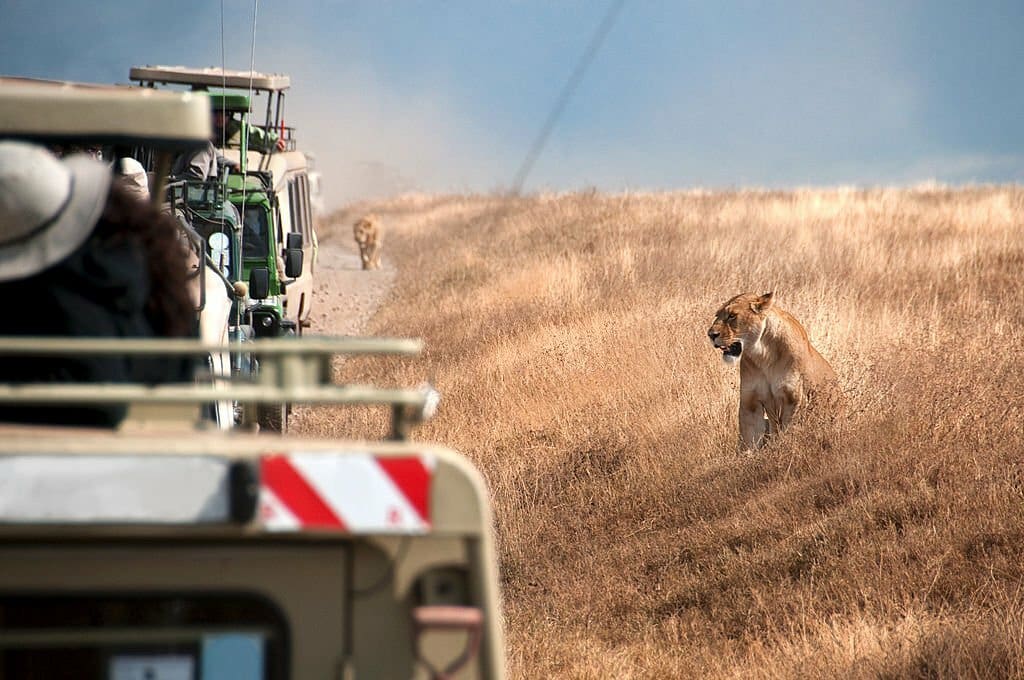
48 206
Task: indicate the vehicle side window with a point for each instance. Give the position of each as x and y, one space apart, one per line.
304 199
309 209
280 225
293 205
254 232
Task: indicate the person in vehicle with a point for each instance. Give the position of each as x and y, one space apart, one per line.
80 255
198 165
227 131
208 162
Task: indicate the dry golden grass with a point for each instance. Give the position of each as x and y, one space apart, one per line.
567 335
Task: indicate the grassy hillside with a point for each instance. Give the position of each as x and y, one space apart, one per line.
567 335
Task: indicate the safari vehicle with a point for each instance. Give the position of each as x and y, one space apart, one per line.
271 188
212 225
167 548
229 217
163 551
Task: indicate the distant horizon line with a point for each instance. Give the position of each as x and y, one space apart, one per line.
924 186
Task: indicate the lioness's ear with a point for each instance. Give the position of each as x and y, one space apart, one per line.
763 303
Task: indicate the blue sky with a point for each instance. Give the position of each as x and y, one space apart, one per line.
448 96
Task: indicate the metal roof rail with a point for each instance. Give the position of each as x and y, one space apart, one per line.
293 371
59 111
212 76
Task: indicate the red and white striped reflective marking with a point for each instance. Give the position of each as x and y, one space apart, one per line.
351 492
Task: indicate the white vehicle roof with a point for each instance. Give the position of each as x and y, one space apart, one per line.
56 111
211 76
279 163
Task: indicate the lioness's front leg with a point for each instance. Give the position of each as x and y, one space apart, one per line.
788 403
789 407
753 425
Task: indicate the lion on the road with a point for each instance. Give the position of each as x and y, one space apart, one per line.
368 233
779 369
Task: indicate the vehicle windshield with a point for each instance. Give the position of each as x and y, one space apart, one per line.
254 232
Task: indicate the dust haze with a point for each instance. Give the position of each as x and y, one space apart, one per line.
370 142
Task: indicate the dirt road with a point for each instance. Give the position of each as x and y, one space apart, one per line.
345 299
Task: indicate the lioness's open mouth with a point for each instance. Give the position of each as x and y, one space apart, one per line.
733 350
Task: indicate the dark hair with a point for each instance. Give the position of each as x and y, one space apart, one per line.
169 307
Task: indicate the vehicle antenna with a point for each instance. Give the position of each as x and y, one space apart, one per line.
223 75
563 98
222 185
252 49
252 69
243 152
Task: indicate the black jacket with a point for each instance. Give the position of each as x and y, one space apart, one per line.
100 290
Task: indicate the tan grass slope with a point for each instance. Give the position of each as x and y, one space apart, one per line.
568 336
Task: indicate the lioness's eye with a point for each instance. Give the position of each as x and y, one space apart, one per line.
731 317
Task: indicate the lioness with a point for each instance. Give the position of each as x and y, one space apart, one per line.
779 370
367 231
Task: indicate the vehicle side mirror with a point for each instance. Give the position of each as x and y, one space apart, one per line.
293 240
259 283
293 263
220 251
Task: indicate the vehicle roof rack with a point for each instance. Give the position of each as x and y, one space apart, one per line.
294 371
211 76
50 111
